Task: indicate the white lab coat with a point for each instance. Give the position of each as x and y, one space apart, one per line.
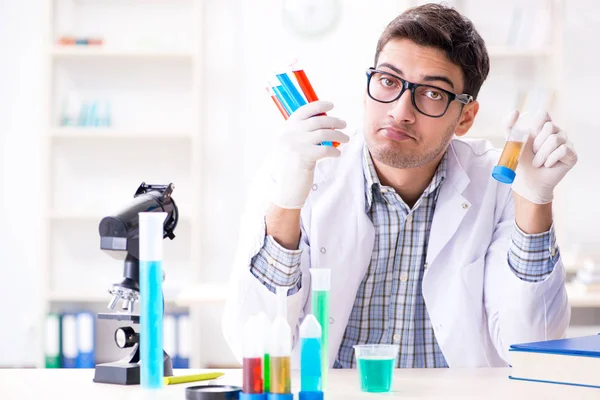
477 306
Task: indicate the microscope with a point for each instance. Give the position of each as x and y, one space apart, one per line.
119 238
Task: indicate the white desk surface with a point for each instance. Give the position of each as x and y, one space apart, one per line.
482 383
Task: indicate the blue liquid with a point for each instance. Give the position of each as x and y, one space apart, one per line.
151 325
291 88
285 99
376 374
310 365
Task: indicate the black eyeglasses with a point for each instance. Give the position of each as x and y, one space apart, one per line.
428 100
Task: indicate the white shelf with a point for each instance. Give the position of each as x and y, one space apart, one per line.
70 52
66 216
507 52
86 297
203 293
189 295
115 133
582 330
582 299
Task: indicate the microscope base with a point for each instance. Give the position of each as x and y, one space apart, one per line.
124 373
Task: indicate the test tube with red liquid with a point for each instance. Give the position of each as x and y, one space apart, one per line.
252 363
306 86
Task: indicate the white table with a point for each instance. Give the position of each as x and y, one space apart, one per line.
484 383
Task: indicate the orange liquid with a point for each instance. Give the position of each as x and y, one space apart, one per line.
510 155
305 85
280 375
308 90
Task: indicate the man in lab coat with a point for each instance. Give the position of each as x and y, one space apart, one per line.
426 249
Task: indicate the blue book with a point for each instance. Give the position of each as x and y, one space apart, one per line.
69 341
85 340
170 336
573 361
184 341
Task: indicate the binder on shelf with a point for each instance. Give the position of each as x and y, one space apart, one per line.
52 347
69 341
85 340
184 341
170 337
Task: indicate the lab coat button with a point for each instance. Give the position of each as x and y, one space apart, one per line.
331 320
396 338
403 277
314 186
323 250
426 265
465 206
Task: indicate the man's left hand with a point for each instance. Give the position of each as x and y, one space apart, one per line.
546 158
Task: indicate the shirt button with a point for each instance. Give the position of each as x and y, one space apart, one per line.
465 206
314 186
396 338
403 277
331 320
323 250
426 265
409 218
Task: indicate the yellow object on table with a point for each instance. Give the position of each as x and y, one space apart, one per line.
170 380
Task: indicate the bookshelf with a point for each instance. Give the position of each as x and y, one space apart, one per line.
143 83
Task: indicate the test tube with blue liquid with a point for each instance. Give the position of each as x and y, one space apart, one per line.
310 359
292 96
151 299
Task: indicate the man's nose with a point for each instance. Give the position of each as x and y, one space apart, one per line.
402 110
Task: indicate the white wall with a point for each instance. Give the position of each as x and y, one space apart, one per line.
239 123
21 115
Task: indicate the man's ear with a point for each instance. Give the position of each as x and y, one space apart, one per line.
467 118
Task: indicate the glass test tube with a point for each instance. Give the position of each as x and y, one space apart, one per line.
321 285
252 352
151 300
310 355
265 326
277 102
307 90
505 170
287 83
281 349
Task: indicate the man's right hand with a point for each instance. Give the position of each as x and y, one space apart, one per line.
298 151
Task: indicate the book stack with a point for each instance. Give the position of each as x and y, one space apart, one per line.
574 361
177 338
70 340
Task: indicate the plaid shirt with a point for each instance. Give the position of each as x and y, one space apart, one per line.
389 305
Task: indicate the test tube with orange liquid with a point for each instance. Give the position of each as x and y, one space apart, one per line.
505 170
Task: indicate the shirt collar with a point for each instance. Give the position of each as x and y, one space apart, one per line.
373 184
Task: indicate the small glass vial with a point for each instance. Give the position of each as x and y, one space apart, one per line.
505 170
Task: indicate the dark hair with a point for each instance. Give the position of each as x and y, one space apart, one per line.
442 27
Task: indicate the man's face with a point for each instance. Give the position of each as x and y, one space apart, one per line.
396 133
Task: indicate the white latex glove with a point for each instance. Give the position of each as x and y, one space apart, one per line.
545 159
298 151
